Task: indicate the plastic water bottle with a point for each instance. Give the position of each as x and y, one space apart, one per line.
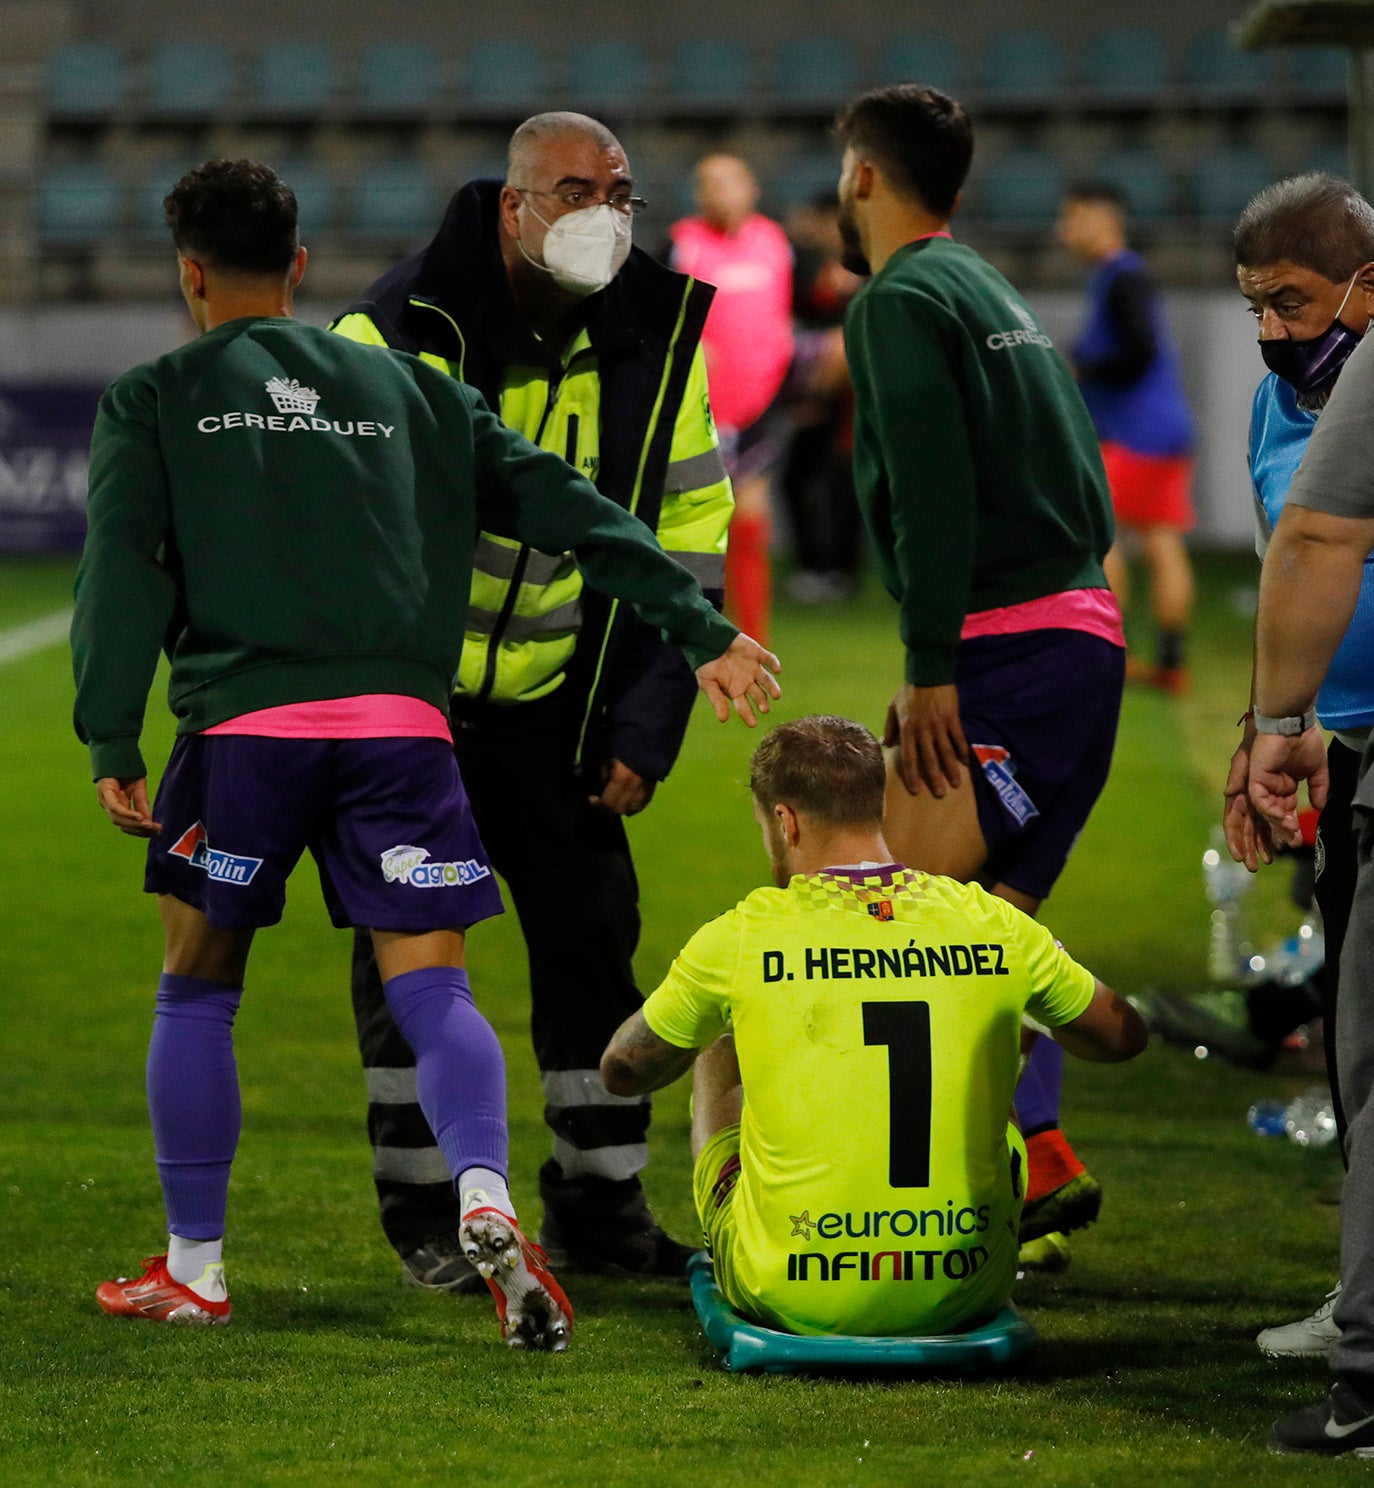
1268 1118
1293 961
1311 1120
1227 882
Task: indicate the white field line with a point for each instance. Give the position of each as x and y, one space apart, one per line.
37 635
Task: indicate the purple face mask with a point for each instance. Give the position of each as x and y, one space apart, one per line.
1313 366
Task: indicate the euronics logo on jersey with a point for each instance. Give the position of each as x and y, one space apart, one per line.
295 414
410 865
223 867
1029 334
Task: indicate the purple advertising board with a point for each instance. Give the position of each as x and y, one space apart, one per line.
45 437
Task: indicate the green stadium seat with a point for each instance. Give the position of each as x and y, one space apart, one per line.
294 78
714 71
1021 188
315 194
1332 156
1214 64
505 73
1321 70
394 199
922 57
86 80
1020 66
748 1347
1127 62
1143 178
1227 178
79 202
189 79
816 71
802 178
149 215
607 74
398 79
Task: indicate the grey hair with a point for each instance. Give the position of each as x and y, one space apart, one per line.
535 131
1316 221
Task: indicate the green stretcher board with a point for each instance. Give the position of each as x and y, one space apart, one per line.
747 1346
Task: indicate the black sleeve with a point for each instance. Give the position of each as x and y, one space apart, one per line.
1130 304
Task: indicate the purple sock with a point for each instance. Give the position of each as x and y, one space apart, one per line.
1037 1095
193 1099
460 1070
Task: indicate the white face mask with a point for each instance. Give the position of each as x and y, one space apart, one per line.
586 249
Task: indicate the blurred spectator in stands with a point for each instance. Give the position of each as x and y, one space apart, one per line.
748 344
1128 370
817 475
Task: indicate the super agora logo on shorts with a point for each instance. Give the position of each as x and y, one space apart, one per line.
409 865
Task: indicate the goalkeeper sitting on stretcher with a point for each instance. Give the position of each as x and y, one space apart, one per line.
858 1032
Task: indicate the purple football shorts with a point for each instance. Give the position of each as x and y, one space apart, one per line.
386 820
1039 711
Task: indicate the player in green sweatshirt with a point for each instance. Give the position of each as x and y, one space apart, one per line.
292 517
981 484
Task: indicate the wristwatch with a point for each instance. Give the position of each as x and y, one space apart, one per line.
1291 726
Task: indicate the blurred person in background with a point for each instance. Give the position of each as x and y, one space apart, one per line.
567 710
817 476
1304 252
981 486
748 342
1127 368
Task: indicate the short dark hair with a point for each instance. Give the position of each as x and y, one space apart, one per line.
828 768
238 214
922 139
1316 221
1098 192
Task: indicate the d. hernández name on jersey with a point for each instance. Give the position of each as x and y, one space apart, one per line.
877 1020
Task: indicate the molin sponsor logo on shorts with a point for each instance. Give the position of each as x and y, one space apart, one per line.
1000 769
411 866
295 414
223 867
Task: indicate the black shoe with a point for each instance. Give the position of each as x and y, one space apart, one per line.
1217 1021
439 1265
647 1252
1339 1423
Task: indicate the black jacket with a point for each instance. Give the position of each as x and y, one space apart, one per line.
627 694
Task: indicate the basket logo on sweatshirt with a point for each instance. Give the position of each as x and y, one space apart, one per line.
223 867
410 865
295 414
1028 334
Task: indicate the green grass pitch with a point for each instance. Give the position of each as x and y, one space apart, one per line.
333 1373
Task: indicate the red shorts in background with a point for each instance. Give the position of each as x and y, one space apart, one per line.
1149 490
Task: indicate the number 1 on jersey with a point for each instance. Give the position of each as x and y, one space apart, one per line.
905 1028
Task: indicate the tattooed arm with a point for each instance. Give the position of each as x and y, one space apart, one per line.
637 1060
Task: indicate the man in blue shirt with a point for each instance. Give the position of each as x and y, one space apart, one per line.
1304 252
1128 372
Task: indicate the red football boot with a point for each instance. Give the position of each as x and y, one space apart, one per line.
534 1310
155 1296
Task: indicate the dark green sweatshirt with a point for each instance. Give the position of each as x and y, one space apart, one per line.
977 468
293 515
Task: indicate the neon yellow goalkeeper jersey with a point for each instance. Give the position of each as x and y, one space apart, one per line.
877 1018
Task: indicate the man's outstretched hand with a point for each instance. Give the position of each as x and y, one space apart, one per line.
125 802
744 675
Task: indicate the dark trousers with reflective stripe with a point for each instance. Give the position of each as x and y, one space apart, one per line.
573 882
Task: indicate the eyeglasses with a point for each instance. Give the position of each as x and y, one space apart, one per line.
574 197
